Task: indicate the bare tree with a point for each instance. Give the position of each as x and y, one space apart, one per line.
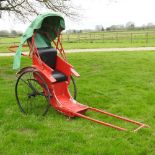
99 28
24 9
130 25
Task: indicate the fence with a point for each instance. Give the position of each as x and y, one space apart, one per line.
122 37
6 42
111 37
9 40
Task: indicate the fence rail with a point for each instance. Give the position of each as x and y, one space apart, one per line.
8 43
105 37
117 37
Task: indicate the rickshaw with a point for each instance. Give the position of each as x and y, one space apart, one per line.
46 82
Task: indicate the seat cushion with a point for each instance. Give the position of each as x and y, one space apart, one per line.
59 76
48 56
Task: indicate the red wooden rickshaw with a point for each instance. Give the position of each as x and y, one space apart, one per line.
46 82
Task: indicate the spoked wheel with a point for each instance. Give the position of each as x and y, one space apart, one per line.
73 88
32 93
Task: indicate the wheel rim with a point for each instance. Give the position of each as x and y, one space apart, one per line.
32 93
72 88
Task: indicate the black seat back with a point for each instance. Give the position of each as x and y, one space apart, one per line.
48 56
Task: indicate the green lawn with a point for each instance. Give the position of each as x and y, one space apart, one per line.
122 83
107 39
95 44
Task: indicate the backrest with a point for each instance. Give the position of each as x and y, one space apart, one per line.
41 40
48 56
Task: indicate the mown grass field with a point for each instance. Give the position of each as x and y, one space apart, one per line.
122 83
137 38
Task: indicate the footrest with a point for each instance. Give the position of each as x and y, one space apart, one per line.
75 107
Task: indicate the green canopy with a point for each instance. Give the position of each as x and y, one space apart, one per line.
47 22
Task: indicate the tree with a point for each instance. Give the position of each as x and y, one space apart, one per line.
99 28
4 33
150 25
14 32
24 9
130 25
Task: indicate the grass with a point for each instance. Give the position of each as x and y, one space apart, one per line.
94 44
134 38
121 83
89 45
5 43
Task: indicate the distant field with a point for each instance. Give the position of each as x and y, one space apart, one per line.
6 42
141 38
122 83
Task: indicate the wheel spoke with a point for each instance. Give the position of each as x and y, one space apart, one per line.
24 82
30 93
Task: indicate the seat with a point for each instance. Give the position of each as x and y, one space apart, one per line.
59 76
49 55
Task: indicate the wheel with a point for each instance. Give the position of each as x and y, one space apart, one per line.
73 88
32 93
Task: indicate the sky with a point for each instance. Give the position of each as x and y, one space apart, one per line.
101 12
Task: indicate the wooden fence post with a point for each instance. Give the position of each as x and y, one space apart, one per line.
146 37
103 36
116 37
131 38
68 37
90 37
78 37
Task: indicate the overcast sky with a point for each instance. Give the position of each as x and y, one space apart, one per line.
102 12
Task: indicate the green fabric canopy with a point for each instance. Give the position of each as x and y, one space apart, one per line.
47 22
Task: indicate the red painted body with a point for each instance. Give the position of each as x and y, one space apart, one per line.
60 99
